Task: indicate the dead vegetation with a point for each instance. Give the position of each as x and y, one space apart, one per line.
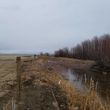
44 89
7 78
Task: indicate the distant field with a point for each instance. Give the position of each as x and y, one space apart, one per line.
7 71
7 77
4 57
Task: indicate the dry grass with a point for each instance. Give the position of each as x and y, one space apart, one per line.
7 77
7 71
88 100
70 62
76 100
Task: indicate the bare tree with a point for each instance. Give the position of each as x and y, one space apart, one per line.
96 49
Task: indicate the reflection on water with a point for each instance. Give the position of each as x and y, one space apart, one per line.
81 80
74 78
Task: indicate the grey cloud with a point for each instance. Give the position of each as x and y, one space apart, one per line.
46 25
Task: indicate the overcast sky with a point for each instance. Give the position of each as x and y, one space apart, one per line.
47 25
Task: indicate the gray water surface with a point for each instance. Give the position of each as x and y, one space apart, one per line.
82 81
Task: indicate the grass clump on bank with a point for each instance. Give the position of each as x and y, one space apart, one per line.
75 100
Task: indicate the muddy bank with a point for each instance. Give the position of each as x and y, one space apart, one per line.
79 65
101 67
67 67
58 63
80 76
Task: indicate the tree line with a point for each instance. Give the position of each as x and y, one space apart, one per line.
96 49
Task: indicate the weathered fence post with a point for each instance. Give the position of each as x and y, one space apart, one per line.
18 61
33 61
35 56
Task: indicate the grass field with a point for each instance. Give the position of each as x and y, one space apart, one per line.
7 77
7 71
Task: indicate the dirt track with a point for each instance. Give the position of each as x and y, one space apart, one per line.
36 92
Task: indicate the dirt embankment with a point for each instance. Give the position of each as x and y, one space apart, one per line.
44 89
76 64
101 67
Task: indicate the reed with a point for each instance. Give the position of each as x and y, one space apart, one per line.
88 100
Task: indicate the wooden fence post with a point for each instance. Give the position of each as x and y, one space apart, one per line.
35 56
18 61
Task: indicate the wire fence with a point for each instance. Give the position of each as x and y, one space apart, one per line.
14 102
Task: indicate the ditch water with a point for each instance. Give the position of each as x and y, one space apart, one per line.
82 80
